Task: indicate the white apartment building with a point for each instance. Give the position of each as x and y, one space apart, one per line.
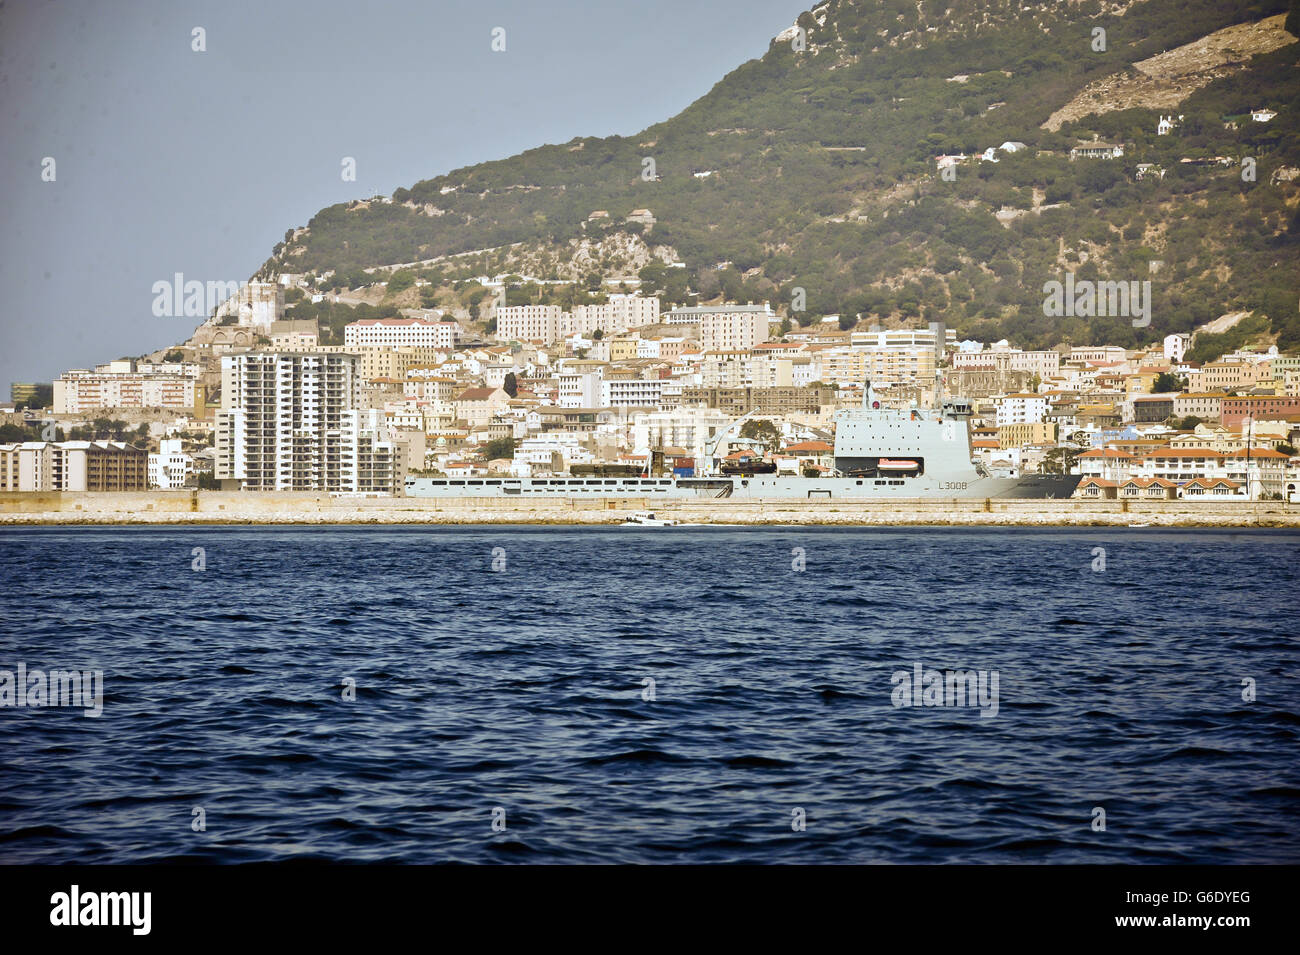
725 369
631 392
729 328
1021 409
528 323
1176 345
550 323
579 384
891 365
288 422
398 332
902 338
1085 353
693 314
124 384
1045 364
693 429
620 312
170 467
368 458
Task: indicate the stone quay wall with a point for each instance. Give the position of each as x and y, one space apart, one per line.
234 507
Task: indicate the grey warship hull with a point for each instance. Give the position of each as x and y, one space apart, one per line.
880 454
766 487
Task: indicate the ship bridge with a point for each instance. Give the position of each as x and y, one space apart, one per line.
874 441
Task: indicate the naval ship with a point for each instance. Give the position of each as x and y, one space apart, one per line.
880 453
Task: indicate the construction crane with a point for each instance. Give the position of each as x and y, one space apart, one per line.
725 434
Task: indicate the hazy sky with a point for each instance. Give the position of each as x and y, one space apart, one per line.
169 160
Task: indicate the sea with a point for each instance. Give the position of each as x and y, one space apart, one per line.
510 694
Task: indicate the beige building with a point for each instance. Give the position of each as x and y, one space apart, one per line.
128 384
477 406
1045 364
409 448
73 466
721 331
1205 405
418 387
1098 353
1229 376
1019 435
776 401
622 349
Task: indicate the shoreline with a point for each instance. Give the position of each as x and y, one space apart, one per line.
233 508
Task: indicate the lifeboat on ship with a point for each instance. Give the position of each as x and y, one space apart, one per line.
897 464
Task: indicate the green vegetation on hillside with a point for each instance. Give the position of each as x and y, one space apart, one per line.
821 179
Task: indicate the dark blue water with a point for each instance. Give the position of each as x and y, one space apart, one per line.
1119 689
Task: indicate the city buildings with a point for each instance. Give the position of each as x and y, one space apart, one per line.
129 384
72 466
733 327
170 467
551 323
402 332
1022 408
611 381
289 422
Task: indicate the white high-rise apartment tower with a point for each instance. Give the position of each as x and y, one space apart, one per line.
289 422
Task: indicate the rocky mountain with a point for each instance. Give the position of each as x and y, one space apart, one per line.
809 177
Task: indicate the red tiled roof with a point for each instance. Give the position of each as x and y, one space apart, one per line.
810 446
1257 453
1106 453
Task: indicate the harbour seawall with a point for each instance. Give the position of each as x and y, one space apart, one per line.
232 507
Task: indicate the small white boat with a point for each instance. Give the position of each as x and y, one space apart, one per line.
646 519
1139 525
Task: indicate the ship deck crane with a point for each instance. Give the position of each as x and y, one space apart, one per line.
711 452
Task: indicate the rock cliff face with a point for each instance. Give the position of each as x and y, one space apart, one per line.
1167 79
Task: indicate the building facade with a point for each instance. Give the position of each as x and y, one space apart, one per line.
73 466
402 332
290 422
